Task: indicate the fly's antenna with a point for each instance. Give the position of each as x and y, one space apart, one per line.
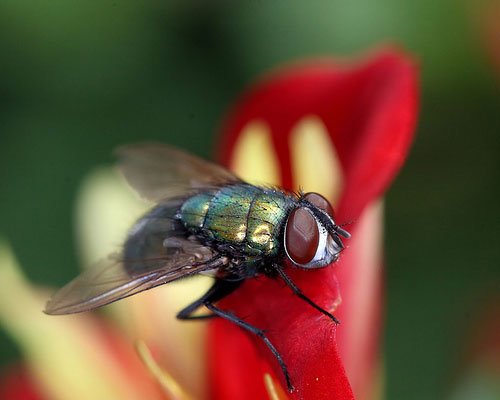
341 231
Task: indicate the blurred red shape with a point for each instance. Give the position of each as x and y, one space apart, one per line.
369 111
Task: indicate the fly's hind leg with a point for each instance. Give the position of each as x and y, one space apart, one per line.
217 291
256 331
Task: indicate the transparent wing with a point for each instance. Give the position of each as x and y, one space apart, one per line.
160 172
110 280
156 252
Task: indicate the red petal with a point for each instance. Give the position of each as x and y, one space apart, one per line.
490 30
235 366
360 274
306 340
368 109
369 112
17 384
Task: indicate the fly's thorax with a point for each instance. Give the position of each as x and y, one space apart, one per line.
245 216
266 221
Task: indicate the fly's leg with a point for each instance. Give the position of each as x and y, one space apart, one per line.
185 313
256 331
299 293
217 291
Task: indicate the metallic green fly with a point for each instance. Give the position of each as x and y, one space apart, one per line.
206 221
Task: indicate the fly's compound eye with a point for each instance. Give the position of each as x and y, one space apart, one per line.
323 204
301 236
319 201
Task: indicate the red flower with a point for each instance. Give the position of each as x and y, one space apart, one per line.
342 130
336 129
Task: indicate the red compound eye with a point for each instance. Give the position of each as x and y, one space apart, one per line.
319 201
301 236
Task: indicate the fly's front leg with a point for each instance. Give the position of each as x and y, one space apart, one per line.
299 293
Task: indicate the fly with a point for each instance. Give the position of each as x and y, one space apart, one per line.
206 221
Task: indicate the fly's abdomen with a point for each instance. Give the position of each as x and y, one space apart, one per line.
226 218
220 215
242 215
194 210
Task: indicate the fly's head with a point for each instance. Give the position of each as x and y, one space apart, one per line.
312 239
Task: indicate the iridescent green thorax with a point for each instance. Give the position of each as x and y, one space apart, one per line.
247 216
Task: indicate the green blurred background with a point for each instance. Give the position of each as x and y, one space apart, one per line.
79 78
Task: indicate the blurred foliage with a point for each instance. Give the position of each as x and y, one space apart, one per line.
79 78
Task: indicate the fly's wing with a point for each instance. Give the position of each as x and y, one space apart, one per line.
110 281
156 252
160 172
157 249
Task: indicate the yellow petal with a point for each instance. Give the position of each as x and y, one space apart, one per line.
254 159
171 388
67 355
274 390
181 344
106 208
315 164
